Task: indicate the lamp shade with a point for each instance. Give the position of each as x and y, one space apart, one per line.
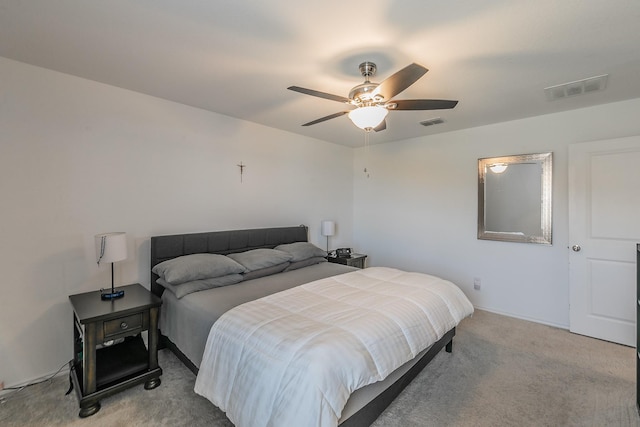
328 228
111 247
368 117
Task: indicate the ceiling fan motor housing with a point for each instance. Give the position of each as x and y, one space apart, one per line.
361 94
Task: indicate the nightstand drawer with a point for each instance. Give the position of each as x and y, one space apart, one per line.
123 326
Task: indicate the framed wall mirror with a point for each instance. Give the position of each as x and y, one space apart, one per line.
514 198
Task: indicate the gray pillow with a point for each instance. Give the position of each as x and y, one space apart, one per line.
196 267
265 271
257 259
302 250
187 288
305 263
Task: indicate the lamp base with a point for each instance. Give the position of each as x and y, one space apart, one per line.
108 296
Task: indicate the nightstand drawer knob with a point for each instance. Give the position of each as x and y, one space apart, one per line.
123 326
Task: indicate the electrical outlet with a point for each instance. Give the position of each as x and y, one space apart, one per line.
477 283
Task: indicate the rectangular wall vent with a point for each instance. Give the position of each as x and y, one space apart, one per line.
432 122
579 87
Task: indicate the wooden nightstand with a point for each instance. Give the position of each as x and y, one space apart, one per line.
109 354
355 260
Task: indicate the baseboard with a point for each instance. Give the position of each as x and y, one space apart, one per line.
8 388
518 316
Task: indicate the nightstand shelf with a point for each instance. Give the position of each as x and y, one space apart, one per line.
355 260
117 362
109 352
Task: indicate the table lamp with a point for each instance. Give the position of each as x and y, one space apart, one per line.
111 247
328 229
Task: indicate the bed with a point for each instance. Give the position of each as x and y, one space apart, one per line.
186 321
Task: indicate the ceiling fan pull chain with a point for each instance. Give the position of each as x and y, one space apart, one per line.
366 151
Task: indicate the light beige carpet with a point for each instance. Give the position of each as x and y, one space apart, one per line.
509 372
503 372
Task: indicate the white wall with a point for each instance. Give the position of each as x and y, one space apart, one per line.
418 208
78 158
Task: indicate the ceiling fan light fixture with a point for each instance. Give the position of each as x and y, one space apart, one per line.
369 117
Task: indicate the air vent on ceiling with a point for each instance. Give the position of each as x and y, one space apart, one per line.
432 122
579 87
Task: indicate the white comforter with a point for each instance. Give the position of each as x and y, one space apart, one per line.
293 358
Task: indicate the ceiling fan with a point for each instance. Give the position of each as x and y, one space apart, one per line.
373 100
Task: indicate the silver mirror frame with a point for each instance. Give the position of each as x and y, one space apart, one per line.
546 162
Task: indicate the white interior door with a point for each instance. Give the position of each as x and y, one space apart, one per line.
604 228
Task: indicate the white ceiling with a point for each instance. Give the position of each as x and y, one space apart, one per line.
238 57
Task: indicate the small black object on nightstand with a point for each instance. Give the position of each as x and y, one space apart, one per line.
109 353
354 260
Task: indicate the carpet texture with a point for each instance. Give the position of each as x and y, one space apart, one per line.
502 372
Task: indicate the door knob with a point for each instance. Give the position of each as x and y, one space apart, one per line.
576 248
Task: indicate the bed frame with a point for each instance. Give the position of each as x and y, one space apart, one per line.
225 242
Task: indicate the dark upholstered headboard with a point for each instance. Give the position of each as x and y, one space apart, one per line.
220 242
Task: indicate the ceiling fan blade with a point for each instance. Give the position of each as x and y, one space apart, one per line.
325 118
381 126
319 94
399 81
423 104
